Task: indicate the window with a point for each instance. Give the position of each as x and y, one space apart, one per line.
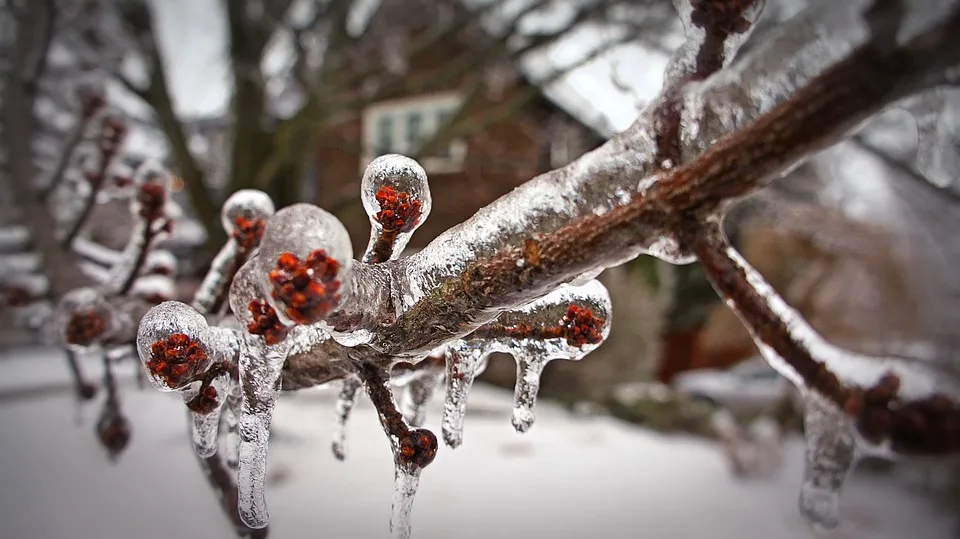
384 135
414 130
404 125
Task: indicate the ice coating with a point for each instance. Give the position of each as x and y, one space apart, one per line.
216 279
406 481
938 133
303 239
794 54
346 400
84 317
396 196
568 323
709 19
917 379
465 360
246 204
830 455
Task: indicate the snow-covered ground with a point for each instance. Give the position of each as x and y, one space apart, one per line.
567 478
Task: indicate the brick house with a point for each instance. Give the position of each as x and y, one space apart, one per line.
465 174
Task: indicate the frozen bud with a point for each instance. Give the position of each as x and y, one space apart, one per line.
244 216
174 345
303 259
396 196
85 317
113 431
395 193
418 447
152 185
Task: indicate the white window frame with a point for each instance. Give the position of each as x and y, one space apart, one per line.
430 107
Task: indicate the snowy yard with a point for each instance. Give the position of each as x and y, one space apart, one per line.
567 478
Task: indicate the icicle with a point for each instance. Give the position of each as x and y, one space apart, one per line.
405 483
413 449
417 392
529 369
205 403
347 399
831 454
231 423
465 361
260 369
396 196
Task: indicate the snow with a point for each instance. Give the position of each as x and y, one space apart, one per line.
14 238
569 477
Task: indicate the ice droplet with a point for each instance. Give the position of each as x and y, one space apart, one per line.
465 361
396 196
830 455
349 392
406 481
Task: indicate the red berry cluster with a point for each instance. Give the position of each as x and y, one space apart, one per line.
724 16
84 327
151 196
581 326
418 447
266 322
206 401
399 212
247 232
177 360
308 288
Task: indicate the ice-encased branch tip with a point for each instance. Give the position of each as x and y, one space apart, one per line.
395 194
